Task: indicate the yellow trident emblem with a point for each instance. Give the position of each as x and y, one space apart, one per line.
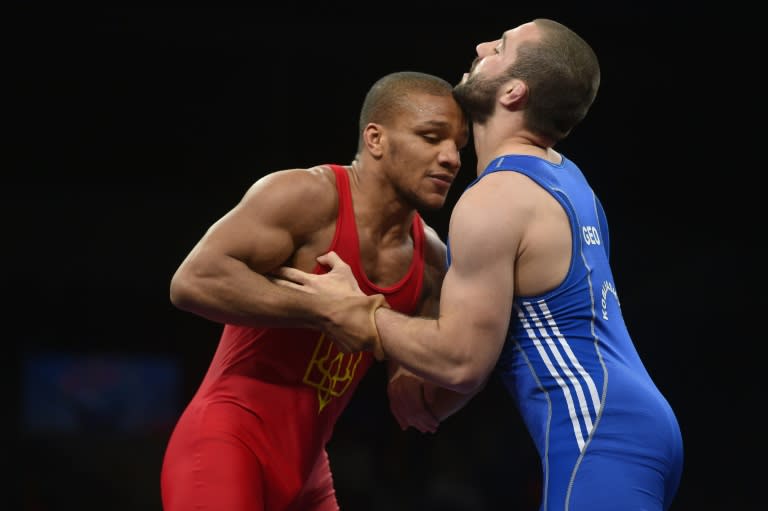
330 371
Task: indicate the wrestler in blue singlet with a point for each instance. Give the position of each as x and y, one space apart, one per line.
607 438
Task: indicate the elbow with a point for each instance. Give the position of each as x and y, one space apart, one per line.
182 291
467 378
469 384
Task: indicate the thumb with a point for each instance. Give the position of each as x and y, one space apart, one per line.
331 259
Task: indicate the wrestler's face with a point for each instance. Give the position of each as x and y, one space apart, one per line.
480 88
423 147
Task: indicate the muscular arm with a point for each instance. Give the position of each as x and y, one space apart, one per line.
413 401
442 402
460 348
223 277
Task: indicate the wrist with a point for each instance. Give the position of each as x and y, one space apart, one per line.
378 347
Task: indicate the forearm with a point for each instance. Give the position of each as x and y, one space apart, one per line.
421 346
230 292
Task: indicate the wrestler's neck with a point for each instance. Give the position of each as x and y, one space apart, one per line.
493 141
377 206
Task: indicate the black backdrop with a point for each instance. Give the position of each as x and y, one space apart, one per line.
132 130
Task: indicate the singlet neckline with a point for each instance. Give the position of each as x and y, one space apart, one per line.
415 234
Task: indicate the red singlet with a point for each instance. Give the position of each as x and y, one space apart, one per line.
253 437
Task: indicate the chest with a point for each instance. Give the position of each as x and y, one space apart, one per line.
385 263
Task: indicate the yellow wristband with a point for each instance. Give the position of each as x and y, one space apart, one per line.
378 348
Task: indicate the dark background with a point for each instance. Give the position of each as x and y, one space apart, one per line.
130 131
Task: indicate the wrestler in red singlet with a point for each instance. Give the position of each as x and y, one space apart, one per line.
253 437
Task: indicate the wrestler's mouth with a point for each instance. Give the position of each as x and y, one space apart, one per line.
448 178
441 181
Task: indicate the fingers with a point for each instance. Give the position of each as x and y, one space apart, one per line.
292 285
399 407
292 274
427 398
420 422
330 259
291 278
400 420
425 426
408 407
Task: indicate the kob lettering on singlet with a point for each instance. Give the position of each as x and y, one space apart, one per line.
330 371
607 288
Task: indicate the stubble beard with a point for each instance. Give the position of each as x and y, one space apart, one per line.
478 97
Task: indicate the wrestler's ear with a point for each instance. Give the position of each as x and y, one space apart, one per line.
514 95
373 137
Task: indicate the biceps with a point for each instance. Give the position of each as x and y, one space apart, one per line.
250 239
477 303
